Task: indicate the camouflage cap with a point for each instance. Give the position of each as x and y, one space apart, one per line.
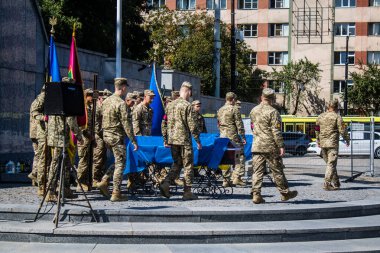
67 80
187 85
107 93
88 92
121 81
175 93
138 94
131 96
196 102
149 93
334 104
230 95
268 93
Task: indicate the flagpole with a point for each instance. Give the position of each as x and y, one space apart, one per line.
118 38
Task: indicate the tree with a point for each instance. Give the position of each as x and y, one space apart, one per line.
300 79
364 95
184 41
96 25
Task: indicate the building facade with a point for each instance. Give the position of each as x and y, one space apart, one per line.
283 30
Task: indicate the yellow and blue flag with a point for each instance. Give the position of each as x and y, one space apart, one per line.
54 74
157 105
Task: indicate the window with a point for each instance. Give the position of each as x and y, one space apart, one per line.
340 58
345 3
373 57
339 85
278 58
277 4
156 3
210 4
253 58
249 30
186 4
374 3
277 30
344 29
374 29
248 4
278 87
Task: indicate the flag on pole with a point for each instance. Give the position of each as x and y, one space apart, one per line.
54 74
157 105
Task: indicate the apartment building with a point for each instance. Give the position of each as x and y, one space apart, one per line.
283 30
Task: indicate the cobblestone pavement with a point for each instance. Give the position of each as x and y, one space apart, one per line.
305 174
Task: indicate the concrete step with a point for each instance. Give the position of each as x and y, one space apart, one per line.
193 233
354 245
198 214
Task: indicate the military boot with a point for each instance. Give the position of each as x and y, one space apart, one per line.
238 181
288 195
257 198
95 183
103 188
116 196
329 187
165 189
33 177
84 186
178 182
41 191
51 197
188 195
130 183
337 184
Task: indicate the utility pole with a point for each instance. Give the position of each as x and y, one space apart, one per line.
233 48
346 79
217 46
118 37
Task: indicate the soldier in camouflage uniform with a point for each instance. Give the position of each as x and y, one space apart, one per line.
143 115
100 151
83 149
231 126
329 126
200 120
33 137
139 97
130 100
175 95
181 124
268 145
116 125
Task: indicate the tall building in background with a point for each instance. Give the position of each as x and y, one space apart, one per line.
283 30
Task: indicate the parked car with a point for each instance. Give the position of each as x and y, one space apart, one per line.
296 143
360 145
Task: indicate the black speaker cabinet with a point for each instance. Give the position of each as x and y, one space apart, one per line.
64 99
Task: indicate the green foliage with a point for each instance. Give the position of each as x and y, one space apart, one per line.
300 79
185 41
364 95
96 25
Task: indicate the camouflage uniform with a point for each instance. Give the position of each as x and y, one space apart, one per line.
56 137
116 124
142 120
33 137
100 151
231 126
329 126
266 147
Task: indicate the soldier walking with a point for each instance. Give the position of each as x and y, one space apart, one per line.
329 126
231 126
116 125
268 146
181 125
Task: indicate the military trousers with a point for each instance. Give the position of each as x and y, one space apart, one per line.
44 162
83 154
99 159
119 152
239 169
36 157
183 157
330 156
276 167
55 168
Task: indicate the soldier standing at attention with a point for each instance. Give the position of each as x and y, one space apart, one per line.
231 126
33 137
328 127
181 125
116 125
139 96
143 115
268 145
130 100
201 121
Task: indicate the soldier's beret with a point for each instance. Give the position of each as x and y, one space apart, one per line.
107 93
334 104
121 81
187 85
67 80
131 96
268 93
230 95
196 102
149 93
88 92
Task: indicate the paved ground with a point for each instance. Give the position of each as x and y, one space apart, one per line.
304 174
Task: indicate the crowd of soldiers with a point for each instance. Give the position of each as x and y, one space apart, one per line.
116 119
